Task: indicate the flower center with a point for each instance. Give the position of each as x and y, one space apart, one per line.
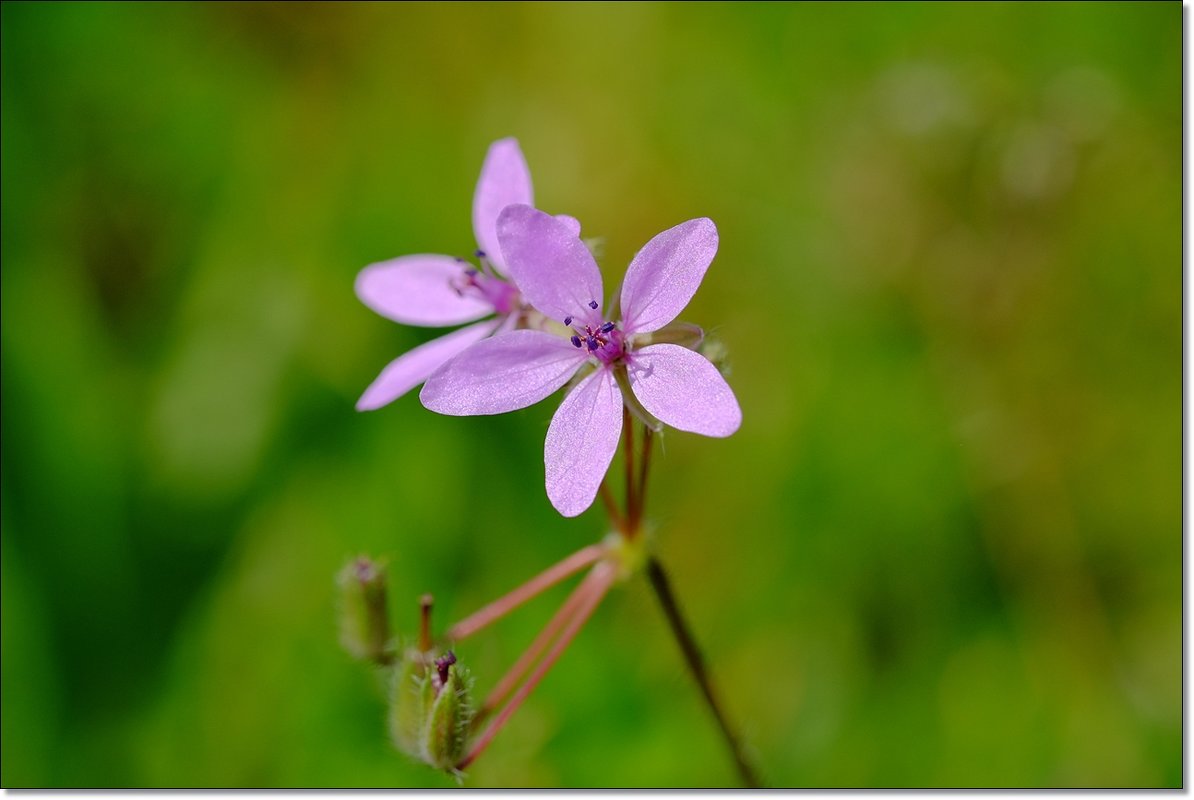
485 283
603 341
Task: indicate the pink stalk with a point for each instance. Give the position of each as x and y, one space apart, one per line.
611 508
544 580
529 656
590 593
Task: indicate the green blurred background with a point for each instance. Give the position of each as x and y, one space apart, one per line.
944 549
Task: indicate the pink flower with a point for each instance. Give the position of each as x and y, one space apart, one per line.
436 290
558 276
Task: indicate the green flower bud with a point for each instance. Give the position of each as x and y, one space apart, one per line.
411 696
431 708
452 712
364 622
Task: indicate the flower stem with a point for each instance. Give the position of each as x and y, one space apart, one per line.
591 591
544 580
632 515
644 467
611 508
529 656
425 603
696 665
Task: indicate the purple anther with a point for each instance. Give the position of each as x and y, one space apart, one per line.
593 304
441 665
480 254
576 341
592 343
567 320
607 327
472 273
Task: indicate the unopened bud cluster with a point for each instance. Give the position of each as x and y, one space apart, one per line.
431 708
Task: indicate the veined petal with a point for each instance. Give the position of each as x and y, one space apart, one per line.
412 368
684 390
504 180
508 372
581 441
553 269
419 290
665 274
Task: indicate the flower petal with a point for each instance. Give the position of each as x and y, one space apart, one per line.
665 274
510 371
504 180
684 390
572 222
412 368
554 270
581 441
418 290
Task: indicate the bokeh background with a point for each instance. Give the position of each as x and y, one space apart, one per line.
944 548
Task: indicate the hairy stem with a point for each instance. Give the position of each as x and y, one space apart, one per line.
696 665
544 580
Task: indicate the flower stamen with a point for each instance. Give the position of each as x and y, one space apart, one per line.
486 284
486 264
601 341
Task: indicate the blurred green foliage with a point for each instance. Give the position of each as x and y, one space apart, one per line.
943 550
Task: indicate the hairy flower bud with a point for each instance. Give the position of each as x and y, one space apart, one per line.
451 713
431 708
364 622
411 694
